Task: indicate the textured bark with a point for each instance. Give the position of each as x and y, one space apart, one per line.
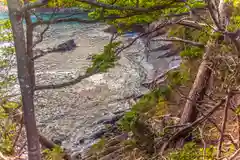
197 92
25 79
29 45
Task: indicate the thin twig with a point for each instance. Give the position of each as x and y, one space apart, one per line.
224 121
18 134
238 123
233 156
203 140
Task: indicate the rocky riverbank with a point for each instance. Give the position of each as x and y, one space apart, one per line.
69 115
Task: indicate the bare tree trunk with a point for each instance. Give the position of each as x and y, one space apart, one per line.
29 45
197 92
25 79
200 85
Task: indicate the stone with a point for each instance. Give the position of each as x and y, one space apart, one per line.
65 46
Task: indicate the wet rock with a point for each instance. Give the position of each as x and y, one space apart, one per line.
111 119
65 46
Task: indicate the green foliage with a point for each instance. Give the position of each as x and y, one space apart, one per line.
8 132
99 145
146 103
102 62
7 127
235 23
179 76
191 151
192 52
54 154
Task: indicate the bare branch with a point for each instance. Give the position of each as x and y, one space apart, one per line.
213 16
42 53
176 39
40 37
69 83
234 155
72 82
224 121
33 5
184 130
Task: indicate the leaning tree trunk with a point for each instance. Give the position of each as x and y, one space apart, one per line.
200 84
25 79
197 91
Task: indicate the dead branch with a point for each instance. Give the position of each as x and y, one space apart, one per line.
212 15
60 20
40 37
44 31
234 155
238 123
184 130
19 132
72 82
203 140
33 5
69 83
42 53
228 136
176 39
224 121
192 24
160 26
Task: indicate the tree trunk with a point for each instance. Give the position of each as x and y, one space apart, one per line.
200 84
25 79
197 92
30 45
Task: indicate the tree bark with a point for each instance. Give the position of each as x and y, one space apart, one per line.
200 84
29 45
197 91
24 78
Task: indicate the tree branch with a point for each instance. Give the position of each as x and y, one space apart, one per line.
224 121
176 39
116 7
105 6
33 5
69 83
60 20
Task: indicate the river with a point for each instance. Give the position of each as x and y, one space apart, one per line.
69 115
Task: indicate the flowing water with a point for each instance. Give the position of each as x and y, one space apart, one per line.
70 114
